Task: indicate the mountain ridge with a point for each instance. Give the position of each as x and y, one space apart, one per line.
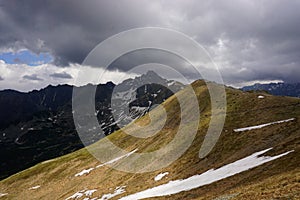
38 125
277 179
279 89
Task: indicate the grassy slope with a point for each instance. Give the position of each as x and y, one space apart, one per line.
279 179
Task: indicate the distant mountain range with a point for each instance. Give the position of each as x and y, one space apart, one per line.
279 89
38 125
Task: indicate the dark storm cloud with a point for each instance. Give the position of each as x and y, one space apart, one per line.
68 29
140 57
261 39
32 77
62 75
152 57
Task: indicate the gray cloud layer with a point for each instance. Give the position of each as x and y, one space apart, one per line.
32 77
249 40
63 75
69 29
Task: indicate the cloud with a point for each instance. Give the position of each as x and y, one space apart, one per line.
72 34
32 77
248 40
25 78
1 79
63 75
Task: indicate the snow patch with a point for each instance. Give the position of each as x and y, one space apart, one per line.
137 108
77 195
3 194
207 177
51 160
261 97
85 171
171 83
117 159
118 191
89 192
262 125
128 95
82 193
35 187
160 176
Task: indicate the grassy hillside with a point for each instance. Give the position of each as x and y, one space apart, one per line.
278 179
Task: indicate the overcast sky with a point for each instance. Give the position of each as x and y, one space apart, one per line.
250 41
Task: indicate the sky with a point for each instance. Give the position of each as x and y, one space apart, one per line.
45 42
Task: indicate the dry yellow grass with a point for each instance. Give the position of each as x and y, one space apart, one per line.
278 179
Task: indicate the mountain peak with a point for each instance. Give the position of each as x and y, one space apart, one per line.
153 77
151 73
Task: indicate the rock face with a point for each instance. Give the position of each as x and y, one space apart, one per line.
279 89
38 125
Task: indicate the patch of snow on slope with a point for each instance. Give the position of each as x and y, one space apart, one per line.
77 195
171 83
89 192
207 177
138 108
118 191
262 125
127 95
82 193
85 171
35 187
160 176
48 161
261 97
3 194
118 158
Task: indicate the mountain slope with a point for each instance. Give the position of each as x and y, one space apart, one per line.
280 89
77 174
38 125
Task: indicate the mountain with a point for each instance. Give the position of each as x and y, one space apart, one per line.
257 155
279 89
17 106
38 125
